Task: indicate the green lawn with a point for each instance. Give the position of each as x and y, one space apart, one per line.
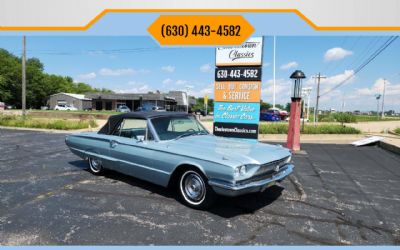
59 124
369 118
93 112
282 128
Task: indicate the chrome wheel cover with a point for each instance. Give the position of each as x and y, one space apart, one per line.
95 165
193 187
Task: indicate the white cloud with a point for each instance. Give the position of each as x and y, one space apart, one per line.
335 54
206 68
121 72
289 65
167 81
282 91
168 68
266 64
329 82
87 76
207 91
336 79
135 87
181 82
377 88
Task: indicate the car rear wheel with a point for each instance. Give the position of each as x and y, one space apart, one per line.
194 190
95 166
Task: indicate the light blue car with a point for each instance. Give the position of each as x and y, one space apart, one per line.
174 149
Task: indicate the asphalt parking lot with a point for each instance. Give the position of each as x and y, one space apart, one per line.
338 195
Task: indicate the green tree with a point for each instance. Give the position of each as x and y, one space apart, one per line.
39 85
265 105
344 117
287 107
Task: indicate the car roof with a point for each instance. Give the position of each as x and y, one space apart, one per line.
147 114
115 120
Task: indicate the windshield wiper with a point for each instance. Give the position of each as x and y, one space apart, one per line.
190 134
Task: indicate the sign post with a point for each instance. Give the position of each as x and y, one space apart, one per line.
237 90
206 104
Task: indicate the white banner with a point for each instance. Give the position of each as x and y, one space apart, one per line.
249 53
78 14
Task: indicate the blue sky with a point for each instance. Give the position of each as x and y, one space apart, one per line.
138 64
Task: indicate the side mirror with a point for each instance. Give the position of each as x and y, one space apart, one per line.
140 138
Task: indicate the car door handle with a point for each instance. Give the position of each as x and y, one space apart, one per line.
113 143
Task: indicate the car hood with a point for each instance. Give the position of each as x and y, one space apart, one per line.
224 150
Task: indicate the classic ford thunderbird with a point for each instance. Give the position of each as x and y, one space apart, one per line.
174 149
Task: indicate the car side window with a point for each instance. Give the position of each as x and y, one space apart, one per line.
180 125
134 128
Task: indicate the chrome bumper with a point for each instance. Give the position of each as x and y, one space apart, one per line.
228 189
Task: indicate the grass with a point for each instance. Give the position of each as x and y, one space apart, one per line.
282 128
397 131
59 124
357 118
92 112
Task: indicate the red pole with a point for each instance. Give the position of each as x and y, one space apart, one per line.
293 138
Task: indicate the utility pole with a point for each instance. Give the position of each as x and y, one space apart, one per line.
343 104
383 99
23 76
318 77
306 93
377 97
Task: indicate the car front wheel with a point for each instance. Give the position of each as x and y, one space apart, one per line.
95 166
194 190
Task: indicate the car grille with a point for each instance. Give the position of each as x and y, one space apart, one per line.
270 166
266 171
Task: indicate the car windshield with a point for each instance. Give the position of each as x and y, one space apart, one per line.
170 128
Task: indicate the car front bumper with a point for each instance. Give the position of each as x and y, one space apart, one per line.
229 189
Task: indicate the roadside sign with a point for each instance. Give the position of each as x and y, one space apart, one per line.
249 53
248 113
237 130
238 73
237 90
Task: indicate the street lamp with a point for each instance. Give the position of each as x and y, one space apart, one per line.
293 139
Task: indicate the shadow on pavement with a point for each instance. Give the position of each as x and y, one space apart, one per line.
226 207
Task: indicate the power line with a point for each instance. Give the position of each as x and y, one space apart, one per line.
361 57
339 63
365 63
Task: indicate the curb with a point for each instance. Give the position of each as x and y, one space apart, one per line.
389 147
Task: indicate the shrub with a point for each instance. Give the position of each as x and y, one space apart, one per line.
397 131
28 122
344 117
273 128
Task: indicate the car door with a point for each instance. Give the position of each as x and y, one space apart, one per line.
131 147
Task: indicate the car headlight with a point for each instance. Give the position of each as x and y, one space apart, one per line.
288 159
240 171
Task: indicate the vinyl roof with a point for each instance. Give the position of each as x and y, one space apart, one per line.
148 114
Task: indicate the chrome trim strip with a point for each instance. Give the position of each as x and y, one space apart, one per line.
232 187
116 160
157 150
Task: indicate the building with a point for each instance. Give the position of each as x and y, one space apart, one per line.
171 101
75 100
